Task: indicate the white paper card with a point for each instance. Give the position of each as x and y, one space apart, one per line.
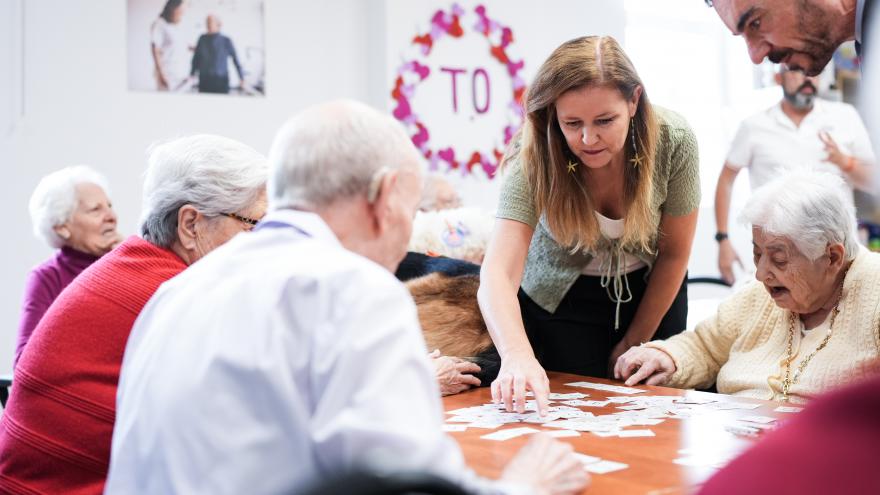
764 420
788 409
587 459
508 434
635 433
451 428
603 467
573 395
563 433
607 388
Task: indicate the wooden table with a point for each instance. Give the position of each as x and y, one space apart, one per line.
651 467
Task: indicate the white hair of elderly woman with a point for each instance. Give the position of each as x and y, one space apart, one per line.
333 151
216 175
55 198
461 233
811 208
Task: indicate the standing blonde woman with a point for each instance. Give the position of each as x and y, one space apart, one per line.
595 223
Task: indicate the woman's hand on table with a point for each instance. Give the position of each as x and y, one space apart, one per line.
519 373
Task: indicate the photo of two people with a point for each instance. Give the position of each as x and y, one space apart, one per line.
196 46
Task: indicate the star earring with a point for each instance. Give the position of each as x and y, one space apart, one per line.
636 160
571 166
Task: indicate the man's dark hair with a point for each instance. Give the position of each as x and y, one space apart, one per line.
168 10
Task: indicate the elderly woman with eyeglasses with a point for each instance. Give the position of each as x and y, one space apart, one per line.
808 325
71 211
55 434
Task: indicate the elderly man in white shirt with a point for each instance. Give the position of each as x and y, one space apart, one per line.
801 132
292 353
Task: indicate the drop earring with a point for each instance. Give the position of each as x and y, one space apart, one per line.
636 160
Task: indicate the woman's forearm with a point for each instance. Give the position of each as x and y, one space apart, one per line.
663 285
501 311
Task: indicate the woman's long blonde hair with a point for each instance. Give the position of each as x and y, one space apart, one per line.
560 196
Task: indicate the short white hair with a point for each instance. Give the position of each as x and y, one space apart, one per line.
216 175
811 208
430 189
461 233
55 198
334 151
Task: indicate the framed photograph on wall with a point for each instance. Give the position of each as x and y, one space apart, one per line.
196 46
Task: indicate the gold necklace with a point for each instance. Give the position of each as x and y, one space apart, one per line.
789 380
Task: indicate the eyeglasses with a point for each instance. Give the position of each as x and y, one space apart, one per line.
249 221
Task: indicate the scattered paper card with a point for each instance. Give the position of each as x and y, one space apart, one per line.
604 467
788 409
508 434
726 406
563 433
606 434
748 431
635 433
460 419
692 399
486 425
694 461
764 420
606 388
631 407
646 422
573 395
587 459
452 428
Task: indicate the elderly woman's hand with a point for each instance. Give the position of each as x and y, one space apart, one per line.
640 363
454 375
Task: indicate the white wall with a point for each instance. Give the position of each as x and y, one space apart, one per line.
73 105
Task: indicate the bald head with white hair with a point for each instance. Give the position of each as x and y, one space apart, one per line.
356 168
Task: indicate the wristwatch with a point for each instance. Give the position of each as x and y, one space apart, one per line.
720 236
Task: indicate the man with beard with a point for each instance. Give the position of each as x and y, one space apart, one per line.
802 34
801 131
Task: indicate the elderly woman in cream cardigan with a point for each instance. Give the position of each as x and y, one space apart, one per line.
809 324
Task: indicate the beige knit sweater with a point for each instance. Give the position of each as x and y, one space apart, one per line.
743 348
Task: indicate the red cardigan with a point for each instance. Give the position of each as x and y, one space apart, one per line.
56 431
830 447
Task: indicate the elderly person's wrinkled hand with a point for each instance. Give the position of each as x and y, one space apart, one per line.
454 375
644 363
548 466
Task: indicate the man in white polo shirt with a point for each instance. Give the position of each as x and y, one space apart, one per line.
801 132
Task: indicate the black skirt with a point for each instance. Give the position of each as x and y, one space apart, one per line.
579 336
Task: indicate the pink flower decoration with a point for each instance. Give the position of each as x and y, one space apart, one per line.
447 24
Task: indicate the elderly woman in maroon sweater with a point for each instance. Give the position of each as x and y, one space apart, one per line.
55 434
70 210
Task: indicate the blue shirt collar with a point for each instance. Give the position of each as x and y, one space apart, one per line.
305 222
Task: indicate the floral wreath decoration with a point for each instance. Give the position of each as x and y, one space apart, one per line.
412 72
